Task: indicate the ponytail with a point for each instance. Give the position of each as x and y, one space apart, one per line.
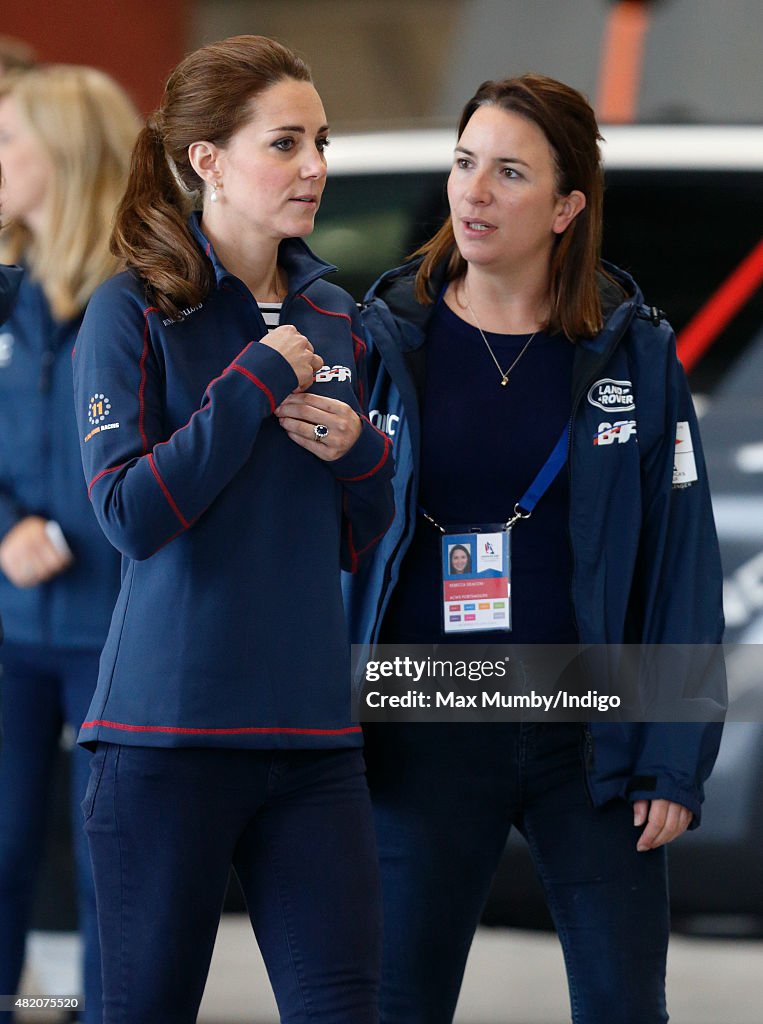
210 95
151 233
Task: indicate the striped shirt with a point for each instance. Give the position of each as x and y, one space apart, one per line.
271 314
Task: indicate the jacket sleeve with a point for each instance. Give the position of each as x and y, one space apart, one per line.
365 472
680 583
147 485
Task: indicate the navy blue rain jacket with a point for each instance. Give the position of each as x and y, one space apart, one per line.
229 629
646 559
40 474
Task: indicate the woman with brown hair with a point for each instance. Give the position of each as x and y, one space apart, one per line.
220 392
66 134
537 391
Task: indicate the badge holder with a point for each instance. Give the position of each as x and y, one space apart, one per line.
476 583
476 560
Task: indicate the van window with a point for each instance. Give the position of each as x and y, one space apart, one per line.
680 233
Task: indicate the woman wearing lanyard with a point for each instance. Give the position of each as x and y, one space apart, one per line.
233 466
529 377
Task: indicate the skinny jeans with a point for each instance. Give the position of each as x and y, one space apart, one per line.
42 689
166 824
445 796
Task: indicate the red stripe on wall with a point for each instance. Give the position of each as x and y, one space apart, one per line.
138 42
702 330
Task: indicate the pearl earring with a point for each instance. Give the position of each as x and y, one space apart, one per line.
214 197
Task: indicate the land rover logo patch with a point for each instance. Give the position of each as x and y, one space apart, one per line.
612 395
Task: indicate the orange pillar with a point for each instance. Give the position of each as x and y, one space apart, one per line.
621 61
138 43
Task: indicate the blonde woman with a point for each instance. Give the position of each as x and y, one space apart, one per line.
65 139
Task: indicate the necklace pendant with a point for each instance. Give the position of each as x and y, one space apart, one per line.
504 380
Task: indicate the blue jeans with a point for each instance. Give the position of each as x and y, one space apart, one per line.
42 688
166 824
445 797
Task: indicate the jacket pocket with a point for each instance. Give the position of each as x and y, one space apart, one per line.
97 763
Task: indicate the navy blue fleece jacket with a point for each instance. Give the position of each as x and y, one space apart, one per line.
229 628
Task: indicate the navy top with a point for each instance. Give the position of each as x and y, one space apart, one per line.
482 446
229 628
41 475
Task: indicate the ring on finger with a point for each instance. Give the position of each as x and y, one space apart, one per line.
320 431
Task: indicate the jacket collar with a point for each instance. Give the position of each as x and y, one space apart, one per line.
619 296
396 289
301 264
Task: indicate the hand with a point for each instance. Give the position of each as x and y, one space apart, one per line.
27 555
299 415
297 351
666 820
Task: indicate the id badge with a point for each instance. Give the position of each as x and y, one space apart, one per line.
476 583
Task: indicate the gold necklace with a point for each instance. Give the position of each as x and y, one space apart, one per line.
504 373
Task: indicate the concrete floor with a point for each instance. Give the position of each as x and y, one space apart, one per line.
512 978
515 978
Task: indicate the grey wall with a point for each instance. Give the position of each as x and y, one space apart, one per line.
385 62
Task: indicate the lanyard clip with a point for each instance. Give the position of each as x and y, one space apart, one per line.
518 514
434 522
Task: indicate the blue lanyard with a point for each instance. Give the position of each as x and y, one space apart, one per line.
549 471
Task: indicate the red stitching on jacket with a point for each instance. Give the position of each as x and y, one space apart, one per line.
379 432
166 493
359 353
354 554
248 730
326 312
350 543
378 537
359 343
103 472
379 464
255 380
